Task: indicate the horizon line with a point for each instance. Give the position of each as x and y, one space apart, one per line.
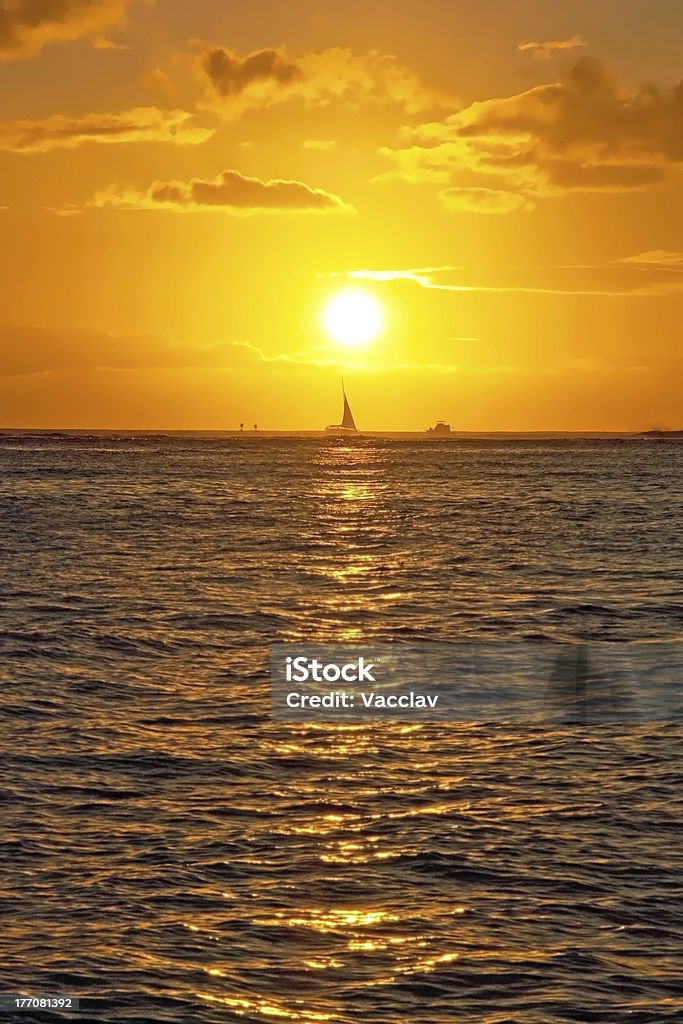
593 431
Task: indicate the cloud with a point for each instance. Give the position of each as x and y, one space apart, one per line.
105 43
544 51
565 175
461 280
157 79
583 133
230 191
419 164
268 77
68 210
482 200
326 357
419 275
583 123
620 278
143 124
321 144
26 26
656 258
231 74
35 350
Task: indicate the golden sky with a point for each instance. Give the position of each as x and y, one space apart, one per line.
185 185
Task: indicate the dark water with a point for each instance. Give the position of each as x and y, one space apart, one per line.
167 854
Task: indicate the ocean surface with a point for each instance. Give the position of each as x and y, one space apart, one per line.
169 854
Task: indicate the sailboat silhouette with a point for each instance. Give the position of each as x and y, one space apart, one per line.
348 424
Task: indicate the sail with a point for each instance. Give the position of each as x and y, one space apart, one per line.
347 419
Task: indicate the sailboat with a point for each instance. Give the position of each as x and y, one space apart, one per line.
348 424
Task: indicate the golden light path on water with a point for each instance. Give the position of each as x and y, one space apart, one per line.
341 840
344 840
353 514
193 860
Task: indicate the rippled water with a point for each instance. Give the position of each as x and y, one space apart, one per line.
167 854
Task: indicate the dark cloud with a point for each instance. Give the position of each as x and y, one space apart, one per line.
143 124
583 133
230 74
587 112
483 200
270 76
586 122
566 174
26 26
230 191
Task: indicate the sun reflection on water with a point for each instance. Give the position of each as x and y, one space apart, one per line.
263 1007
321 919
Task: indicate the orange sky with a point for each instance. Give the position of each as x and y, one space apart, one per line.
184 186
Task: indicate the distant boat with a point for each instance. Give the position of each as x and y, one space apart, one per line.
661 435
348 424
442 429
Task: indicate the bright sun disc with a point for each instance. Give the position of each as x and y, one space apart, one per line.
353 317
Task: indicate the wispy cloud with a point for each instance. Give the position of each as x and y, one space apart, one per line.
321 144
29 351
328 357
422 275
621 278
26 350
546 50
656 258
142 124
483 200
157 79
68 210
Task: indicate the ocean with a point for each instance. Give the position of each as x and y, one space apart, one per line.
171 854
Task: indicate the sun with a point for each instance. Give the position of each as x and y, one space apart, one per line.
353 317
